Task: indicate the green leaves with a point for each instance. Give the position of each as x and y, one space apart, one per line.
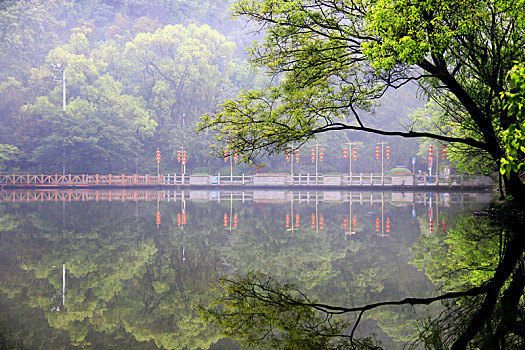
514 136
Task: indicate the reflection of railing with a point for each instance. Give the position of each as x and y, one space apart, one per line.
260 196
303 180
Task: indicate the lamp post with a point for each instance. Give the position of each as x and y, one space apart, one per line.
353 157
62 70
289 158
385 151
157 158
234 160
181 158
317 154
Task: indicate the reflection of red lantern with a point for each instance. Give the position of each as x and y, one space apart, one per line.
178 220
345 153
387 152
321 222
157 219
443 226
377 225
431 226
184 218
354 223
235 220
377 152
387 225
313 220
287 220
354 154
345 223
225 219
296 220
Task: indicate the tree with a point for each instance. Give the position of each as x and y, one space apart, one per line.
334 59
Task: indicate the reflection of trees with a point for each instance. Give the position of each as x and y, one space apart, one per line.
481 256
121 280
478 264
128 283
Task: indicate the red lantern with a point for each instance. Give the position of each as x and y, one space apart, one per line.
178 156
354 154
443 152
377 152
297 156
321 155
313 155
377 225
430 151
345 153
184 157
387 152
345 223
157 156
287 155
235 158
225 155
387 225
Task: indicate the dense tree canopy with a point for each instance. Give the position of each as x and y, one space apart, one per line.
332 60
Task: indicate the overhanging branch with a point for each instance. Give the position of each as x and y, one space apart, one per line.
406 134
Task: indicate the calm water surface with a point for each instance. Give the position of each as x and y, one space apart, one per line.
123 269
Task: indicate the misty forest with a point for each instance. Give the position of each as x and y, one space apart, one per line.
428 95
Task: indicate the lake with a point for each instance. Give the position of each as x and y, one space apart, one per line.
124 269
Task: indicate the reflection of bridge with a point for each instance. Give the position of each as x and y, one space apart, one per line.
260 196
257 180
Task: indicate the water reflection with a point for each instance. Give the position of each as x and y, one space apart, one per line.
135 262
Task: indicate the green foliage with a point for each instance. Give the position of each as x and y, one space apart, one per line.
514 135
8 154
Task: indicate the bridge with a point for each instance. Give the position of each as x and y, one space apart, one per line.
263 180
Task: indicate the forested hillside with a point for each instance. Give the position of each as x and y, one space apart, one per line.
97 86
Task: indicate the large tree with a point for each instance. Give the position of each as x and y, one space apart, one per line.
332 60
